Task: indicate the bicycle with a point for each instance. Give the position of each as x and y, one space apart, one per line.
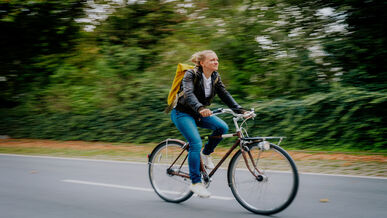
262 176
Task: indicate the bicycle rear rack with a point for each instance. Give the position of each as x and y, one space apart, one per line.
261 139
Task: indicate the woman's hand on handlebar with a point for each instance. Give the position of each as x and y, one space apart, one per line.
247 114
205 112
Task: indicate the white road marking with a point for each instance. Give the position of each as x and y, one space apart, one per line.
145 163
74 158
133 188
342 175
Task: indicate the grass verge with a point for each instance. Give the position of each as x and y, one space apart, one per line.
351 163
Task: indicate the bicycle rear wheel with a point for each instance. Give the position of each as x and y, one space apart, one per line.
271 192
171 188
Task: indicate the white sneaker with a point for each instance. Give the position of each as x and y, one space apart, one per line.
200 190
207 161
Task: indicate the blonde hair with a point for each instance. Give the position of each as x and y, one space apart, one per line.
200 56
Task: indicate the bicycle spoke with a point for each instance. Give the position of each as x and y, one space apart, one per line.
259 156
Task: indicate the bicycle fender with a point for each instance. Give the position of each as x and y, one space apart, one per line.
163 142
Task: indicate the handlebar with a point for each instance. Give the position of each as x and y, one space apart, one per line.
249 114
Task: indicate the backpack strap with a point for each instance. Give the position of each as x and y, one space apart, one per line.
181 92
196 74
216 80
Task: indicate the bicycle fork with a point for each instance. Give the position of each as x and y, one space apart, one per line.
247 156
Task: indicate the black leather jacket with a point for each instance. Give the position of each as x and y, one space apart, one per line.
194 98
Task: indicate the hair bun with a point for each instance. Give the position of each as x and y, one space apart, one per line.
199 56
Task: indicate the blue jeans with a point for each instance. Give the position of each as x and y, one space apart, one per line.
187 125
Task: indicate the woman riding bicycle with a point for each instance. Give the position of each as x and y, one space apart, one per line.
200 86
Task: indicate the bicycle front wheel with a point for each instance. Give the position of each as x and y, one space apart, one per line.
274 185
169 186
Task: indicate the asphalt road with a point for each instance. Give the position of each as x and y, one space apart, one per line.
63 187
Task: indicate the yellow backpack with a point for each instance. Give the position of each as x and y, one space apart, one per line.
174 93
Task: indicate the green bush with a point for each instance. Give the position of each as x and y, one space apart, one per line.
345 119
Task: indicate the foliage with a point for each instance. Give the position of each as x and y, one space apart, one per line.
362 51
310 68
36 35
346 117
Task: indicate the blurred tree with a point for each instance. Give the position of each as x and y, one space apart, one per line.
34 36
125 44
140 24
268 43
362 51
354 38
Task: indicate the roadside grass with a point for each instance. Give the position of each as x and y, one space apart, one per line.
95 150
127 151
344 150
315 161
64 152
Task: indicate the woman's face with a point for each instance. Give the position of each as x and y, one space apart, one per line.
210 62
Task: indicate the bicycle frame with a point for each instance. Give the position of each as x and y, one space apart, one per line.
241 141
257 171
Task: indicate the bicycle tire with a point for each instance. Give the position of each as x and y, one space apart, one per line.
278 188
170 188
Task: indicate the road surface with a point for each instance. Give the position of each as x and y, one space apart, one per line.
50 187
